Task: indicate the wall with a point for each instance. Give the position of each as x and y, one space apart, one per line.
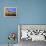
28 12
7 24
32 11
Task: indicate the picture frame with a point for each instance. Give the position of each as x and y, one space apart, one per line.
10 11
36 32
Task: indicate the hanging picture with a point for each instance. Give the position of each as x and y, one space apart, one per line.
32 32
10 11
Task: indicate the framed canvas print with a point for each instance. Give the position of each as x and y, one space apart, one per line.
32 32
10 11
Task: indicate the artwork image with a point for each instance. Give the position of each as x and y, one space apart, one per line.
33 32
12 39
10 11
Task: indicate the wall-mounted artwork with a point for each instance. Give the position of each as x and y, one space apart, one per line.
33 32
10 11
12 38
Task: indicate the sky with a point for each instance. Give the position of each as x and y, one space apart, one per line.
11 9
